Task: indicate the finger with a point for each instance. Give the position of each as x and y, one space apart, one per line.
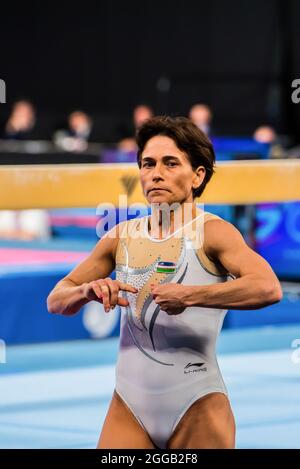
127 287
169 310
154 288
106 295
174 311
97 290
114 291
122 301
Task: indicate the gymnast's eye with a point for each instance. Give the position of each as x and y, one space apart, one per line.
146 164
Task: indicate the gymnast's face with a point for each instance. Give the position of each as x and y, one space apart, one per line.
166 173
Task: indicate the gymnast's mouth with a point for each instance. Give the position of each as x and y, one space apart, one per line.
158 189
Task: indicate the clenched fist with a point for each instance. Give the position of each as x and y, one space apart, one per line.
171 297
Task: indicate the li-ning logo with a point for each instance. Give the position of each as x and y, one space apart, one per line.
129 183
2 92
197 367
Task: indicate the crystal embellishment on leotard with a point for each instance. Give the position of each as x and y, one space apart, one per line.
138 277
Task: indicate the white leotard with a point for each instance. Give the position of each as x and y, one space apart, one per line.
166 362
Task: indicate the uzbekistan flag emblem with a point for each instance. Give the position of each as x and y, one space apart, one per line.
166 267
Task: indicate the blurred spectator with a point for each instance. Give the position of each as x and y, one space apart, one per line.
24 224
76 136
80 125
21 121
140 114
267 134
201 115
127 145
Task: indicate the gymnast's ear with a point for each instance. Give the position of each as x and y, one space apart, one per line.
199 175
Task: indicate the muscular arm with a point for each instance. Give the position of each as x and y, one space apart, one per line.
255 285
68 296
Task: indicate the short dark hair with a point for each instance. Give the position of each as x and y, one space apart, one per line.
188 138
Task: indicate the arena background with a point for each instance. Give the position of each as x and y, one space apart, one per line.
106 57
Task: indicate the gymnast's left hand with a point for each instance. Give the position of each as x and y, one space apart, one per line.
171 297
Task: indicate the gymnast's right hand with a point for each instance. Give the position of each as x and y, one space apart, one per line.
106 291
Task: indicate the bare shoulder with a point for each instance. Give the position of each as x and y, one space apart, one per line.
220 235
224 242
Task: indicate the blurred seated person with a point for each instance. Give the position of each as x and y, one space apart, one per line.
21 121
267 134
76 136
141 113
201 115
25 225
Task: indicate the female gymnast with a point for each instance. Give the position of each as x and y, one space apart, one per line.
178 271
